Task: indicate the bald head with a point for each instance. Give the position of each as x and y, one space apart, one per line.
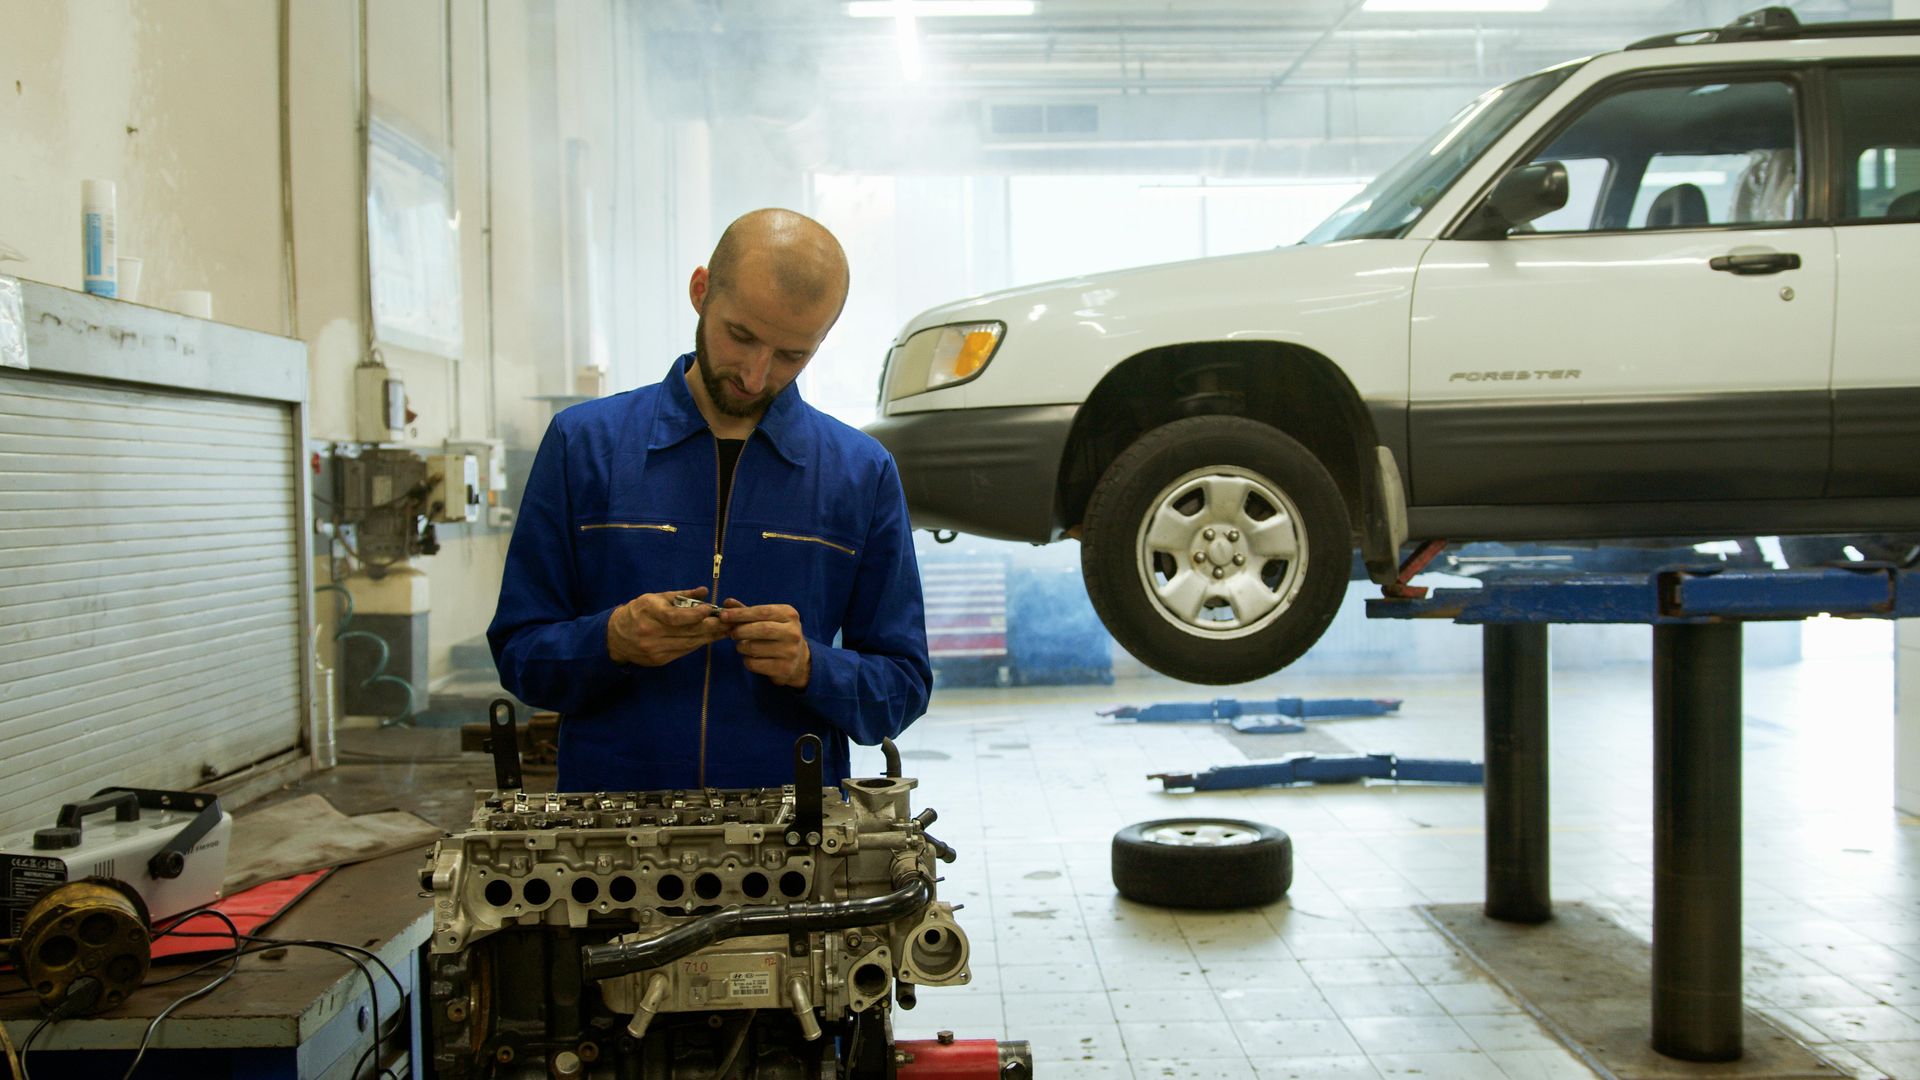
793 253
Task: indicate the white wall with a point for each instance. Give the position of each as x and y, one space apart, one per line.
180 105
175 103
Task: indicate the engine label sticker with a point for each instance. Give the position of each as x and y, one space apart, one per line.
742 981
749 984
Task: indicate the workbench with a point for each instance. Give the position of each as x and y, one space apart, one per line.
1696 615
293 1013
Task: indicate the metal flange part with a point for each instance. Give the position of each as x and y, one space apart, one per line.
95 929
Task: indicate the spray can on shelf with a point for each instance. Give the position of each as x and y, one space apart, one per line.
97 258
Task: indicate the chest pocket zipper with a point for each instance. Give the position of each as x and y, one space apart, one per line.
807 539
625 525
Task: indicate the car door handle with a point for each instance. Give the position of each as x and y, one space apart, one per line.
1771 262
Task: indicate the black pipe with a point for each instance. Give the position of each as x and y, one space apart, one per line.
623 958
1514 680
1696 841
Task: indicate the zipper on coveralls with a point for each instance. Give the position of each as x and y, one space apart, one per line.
809 539
713 591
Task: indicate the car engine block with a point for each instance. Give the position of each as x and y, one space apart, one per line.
701 934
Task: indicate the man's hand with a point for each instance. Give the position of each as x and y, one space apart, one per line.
650 630
771 641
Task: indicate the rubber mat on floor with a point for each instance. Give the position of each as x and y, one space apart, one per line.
1586 979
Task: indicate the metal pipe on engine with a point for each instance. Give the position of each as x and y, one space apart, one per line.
623 958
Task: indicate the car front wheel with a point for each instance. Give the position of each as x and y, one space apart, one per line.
1216 549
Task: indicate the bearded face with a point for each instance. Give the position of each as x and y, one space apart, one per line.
723 387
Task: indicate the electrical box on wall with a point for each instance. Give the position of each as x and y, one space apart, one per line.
491 455
457 494
379 404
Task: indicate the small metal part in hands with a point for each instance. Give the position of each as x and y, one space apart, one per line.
657 988
803 1008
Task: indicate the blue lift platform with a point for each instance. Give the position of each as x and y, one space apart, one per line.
1696 615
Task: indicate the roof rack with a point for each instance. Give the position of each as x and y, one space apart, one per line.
1774 23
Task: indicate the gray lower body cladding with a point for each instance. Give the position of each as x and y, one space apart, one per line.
988 472
1710 447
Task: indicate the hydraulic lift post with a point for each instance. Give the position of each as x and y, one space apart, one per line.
1696 841
1696 614
1514 679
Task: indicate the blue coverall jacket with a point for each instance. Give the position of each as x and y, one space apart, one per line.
623 500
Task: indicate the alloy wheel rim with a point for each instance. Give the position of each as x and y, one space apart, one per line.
1200 834
1221 552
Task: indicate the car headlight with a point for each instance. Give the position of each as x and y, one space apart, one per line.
941 356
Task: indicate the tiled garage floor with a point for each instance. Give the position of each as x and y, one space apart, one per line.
1343 978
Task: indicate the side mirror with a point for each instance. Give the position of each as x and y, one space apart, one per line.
1529 192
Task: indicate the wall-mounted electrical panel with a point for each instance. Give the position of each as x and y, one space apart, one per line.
379 404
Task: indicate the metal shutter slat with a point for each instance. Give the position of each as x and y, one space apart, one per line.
150 608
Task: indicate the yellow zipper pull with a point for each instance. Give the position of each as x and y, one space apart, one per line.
716 567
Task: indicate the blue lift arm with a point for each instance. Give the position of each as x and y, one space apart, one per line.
1311 768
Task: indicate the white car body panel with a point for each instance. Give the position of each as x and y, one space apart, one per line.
1877 326
1349 301
1583 315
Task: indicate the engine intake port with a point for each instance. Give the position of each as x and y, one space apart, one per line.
499 893
670 887
585 890
937 953
870 980
707 886
755 885
536 891
622 889
793 884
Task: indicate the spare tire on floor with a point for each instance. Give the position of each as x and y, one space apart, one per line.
1202 863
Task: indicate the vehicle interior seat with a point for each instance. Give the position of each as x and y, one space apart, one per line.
1906 206
1679 206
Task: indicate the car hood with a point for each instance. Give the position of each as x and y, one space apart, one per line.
1348 300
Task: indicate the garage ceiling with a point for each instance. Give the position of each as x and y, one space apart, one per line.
1311 88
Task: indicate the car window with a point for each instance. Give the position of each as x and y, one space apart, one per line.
1682 155
1879 144
1397 198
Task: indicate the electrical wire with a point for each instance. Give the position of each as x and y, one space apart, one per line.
191 995
14 1067
31 1035
255 944
244 945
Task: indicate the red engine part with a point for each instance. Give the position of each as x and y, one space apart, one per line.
960 1059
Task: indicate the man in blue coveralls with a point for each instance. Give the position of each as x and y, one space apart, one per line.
718 482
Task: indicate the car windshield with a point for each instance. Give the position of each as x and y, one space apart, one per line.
1390 205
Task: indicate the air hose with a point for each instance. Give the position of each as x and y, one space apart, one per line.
342 633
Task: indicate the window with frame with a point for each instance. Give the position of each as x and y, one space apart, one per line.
1879 177
1681 155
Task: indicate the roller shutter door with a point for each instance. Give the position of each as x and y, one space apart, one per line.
150 627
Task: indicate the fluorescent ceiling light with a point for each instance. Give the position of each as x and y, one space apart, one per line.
937 9
906 37
1431 7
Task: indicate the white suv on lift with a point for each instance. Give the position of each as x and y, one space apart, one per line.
1667 291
